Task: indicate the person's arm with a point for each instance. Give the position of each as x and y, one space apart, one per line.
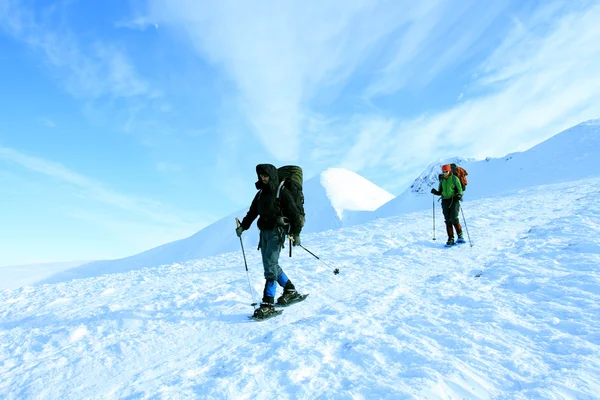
437 192
251 214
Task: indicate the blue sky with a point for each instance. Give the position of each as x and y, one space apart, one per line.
128 124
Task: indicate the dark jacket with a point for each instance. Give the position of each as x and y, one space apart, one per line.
266 205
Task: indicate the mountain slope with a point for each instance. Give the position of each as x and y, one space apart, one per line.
405 318
569 155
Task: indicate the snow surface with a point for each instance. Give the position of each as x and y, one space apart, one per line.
405 318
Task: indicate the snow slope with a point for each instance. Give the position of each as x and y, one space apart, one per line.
405 318
329 198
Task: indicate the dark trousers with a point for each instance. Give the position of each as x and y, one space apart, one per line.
270 248
451 209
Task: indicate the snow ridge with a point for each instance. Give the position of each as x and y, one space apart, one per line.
349 191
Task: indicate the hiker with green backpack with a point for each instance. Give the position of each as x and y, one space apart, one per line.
451 190
280 215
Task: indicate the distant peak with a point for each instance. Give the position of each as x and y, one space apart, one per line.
348 191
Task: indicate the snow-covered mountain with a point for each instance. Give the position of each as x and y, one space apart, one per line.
513 317
330 199
570 155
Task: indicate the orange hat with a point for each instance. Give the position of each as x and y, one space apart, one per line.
446 167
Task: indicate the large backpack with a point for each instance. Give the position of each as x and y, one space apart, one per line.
290 177
460 173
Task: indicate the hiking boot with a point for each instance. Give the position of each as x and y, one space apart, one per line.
460 235
450 241
288 296
264 311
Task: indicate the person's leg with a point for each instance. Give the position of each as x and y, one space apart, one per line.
459 232
454 210
285 282
270 247
446 209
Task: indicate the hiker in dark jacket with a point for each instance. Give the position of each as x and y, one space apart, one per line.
273 226
451 191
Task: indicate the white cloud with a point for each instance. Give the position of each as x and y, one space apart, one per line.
543 78
437 35
284 55
281 54
542 82
91 71
372 135
92 190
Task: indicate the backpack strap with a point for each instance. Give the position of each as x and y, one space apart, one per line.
456 182
277 201
279 189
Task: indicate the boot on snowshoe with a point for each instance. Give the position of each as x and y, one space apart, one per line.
289 296
450 241
265 310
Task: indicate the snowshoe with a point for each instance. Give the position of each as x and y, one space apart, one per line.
460 240
290 297
265 311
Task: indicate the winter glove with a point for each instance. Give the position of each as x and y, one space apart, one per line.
296 241
459 197
436 192
239 230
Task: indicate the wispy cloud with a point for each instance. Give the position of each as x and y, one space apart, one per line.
538 82
281 55
94 191
284 56
98 71
92 71
139 23
436 35
543 78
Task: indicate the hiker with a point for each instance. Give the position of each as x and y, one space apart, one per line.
278 216
451 191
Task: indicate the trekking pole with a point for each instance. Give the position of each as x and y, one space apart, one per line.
335 271
433 210
254 303
466 227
